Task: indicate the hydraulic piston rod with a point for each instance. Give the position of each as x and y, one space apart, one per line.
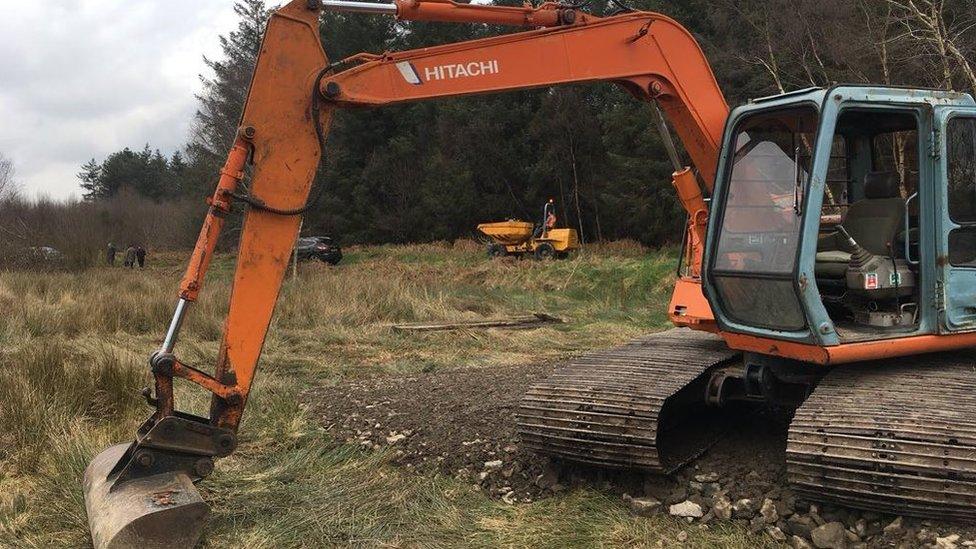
169 342
545 15
360 7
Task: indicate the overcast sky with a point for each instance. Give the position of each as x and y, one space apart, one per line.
82 78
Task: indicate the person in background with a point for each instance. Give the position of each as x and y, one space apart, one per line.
141 256
130 257
110 254
550 222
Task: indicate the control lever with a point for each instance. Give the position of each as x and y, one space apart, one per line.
847 235
860 257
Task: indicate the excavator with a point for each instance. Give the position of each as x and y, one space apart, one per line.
829 267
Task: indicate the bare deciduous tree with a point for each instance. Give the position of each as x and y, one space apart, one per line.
8 185
921 43
936 25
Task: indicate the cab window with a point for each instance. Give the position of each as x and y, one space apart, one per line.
961 175
755 255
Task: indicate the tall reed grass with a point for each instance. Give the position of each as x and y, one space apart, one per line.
73 351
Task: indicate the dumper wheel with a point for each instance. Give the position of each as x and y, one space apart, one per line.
496 250
545 251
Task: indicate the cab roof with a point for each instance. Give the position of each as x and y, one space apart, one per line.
865 92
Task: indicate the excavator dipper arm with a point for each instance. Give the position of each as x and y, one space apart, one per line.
136 492
141 494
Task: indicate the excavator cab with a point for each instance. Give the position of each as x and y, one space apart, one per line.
839 266
843 216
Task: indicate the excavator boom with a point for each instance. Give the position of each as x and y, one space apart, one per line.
136 492
648 54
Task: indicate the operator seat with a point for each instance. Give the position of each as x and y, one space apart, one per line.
873 222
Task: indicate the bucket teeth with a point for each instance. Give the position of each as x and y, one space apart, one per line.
896 437
611 408
155 512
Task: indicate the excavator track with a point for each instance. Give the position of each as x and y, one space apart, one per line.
614 408
897 437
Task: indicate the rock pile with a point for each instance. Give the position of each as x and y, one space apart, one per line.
775 512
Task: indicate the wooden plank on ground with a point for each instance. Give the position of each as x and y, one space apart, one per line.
516 322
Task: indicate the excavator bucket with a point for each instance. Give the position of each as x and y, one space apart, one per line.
159 511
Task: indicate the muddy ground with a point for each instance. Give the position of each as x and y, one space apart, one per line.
461 423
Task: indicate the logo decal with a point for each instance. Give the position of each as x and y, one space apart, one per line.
409 72
447 72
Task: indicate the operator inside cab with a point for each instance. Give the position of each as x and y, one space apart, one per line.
550 216
548 220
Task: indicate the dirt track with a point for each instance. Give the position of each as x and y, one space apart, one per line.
450 422
455 422
461 423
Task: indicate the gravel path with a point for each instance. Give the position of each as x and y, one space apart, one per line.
461 423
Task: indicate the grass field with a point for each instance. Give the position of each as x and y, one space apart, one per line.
73 350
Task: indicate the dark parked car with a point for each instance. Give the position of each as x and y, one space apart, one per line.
319 247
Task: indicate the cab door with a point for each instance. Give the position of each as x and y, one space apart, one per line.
956 190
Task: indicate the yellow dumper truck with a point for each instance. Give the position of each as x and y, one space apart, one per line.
518 238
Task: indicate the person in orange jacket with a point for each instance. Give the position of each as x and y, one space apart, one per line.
550 216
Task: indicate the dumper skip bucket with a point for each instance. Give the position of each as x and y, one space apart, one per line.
159 511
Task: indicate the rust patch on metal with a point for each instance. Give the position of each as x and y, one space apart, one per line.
163 498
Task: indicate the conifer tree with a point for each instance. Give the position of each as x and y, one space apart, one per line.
223 95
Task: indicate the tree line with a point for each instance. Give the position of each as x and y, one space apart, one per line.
433 170
147 173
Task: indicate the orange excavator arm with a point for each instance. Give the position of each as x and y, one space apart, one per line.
293 92
650 55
